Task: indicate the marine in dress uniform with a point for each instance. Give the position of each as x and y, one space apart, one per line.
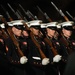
17 63
68 43
36 62
53 67
23 41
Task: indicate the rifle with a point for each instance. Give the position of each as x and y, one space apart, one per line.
45 38
60 12
50 44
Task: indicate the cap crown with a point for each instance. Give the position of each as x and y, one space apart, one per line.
52 24
35 23
68 23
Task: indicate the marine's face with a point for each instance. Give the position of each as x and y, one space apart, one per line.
16 31
51 32
67 33
35 31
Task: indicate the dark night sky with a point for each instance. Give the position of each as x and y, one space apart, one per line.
45 5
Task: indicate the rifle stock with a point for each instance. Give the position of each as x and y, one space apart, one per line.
65 17
49 42
65 42
52 48
38 46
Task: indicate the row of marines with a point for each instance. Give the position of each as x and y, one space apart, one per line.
46 47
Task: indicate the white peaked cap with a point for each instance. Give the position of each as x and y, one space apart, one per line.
52 24
18 22
2 25
9 23
35 23
68 23
43 25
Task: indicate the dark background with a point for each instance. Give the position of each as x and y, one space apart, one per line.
45 5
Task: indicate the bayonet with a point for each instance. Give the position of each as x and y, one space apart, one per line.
22 8
55 6
40 9
70 15
5 11
11 8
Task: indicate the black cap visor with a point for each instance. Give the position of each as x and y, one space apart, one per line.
36 27
68 27
53 28
20 27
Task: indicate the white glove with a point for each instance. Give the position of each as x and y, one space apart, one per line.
23 60
45 61
57 58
